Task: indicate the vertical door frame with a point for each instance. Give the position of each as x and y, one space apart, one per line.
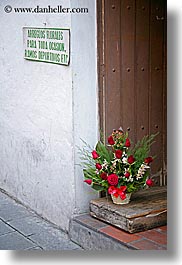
101 64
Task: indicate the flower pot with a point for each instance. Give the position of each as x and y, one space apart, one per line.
118 200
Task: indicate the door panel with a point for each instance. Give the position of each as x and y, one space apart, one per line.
127 59
112 64
132 71
142 51
156 104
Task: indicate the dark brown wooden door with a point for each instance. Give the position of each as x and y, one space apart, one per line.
132 72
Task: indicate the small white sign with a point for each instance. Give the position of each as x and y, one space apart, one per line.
50 45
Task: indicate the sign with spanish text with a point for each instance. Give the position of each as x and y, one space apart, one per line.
50 45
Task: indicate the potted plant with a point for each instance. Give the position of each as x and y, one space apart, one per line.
118 168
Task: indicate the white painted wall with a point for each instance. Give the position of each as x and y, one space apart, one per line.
85 96
44 110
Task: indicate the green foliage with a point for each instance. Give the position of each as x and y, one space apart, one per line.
142 148
104 152
85 155
98 187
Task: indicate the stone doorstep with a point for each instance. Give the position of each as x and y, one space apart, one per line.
93 234
147 210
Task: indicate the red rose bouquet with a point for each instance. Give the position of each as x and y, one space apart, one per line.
118 167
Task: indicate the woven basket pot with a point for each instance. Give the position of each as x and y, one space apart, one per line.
118 200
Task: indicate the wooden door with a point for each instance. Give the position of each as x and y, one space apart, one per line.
132 72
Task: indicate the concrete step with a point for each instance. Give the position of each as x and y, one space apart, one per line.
93 234
86 231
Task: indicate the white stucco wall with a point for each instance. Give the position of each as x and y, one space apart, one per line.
85 96
44 110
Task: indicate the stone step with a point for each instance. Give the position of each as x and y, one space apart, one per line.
86 231
93 234
147 210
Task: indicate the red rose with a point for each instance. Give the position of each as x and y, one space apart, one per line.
122 192
148 160
111 140
112 190
118 154
103 175
122 195
150 182
94 154
118 191
112 179
131 159
88 181
123 188
127 174
98 166
127 143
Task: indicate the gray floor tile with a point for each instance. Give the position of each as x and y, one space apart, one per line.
15 241
30 225
5 229
66 245
4 199
22 229
53 239
34 248
12 211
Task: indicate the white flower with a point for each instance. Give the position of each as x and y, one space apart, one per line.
130 179
141 171
105 164
124 160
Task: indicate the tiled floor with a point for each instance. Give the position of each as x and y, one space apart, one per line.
148 240
22 229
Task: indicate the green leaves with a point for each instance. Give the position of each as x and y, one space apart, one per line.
89 172
98 187
136 185
103 151
131 187
142 148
